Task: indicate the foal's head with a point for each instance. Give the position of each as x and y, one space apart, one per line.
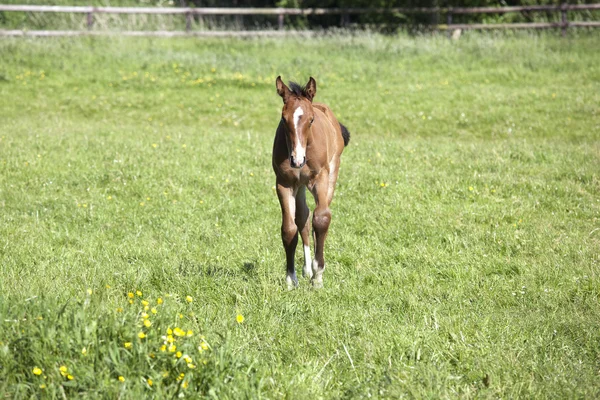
297 116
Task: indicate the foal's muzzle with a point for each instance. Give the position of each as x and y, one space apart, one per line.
295 164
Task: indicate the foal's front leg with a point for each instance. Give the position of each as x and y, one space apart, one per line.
321 221
302 213
289 230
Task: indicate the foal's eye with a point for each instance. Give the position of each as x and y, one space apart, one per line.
312 120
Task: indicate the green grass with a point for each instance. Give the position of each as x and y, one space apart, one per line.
462 259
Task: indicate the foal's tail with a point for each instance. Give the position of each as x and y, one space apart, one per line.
345 135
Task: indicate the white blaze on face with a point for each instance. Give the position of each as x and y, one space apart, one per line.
299 149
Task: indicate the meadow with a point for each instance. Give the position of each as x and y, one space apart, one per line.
140 250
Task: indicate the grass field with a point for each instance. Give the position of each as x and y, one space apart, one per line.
463 255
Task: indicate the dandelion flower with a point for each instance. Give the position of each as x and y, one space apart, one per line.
89 291
172 348
163 348
63 370
187 359
139 293
37 371
141 335
239 318
127 345
189 333
153 310
169 331
159 300
121 379
204 346
185 384
178 354
84 351
145 302
147 323
130 295
145 315
149 382
70 377
43 386
189 299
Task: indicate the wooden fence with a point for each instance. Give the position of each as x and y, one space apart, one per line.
344 13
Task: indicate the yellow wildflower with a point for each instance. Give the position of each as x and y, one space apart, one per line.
172 348
187 359
119 309
127 345
159 300
185 384
169 331
70 377
153 310
63 370
239 318
178 354
37 371
89 291
149 381
84 351
189 299
130 295
189 333
145 315
141 335
138 292
121 379
163 348
147 323
204 346
179 332
145 302
43 386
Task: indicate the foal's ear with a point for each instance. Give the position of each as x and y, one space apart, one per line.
311 88
282 90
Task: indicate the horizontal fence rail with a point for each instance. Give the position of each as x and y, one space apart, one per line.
190 12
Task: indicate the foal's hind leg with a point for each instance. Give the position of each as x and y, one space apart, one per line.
289 230
302 213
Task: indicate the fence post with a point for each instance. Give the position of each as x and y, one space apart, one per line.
90 20
344 19
449 21
564 21
280 19
188 21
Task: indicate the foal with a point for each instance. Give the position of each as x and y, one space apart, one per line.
306 153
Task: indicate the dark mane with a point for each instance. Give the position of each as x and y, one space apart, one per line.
298 90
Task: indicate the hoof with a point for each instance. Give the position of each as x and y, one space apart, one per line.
291 282
307 272
317 284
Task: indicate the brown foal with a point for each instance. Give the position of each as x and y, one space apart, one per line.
306 153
